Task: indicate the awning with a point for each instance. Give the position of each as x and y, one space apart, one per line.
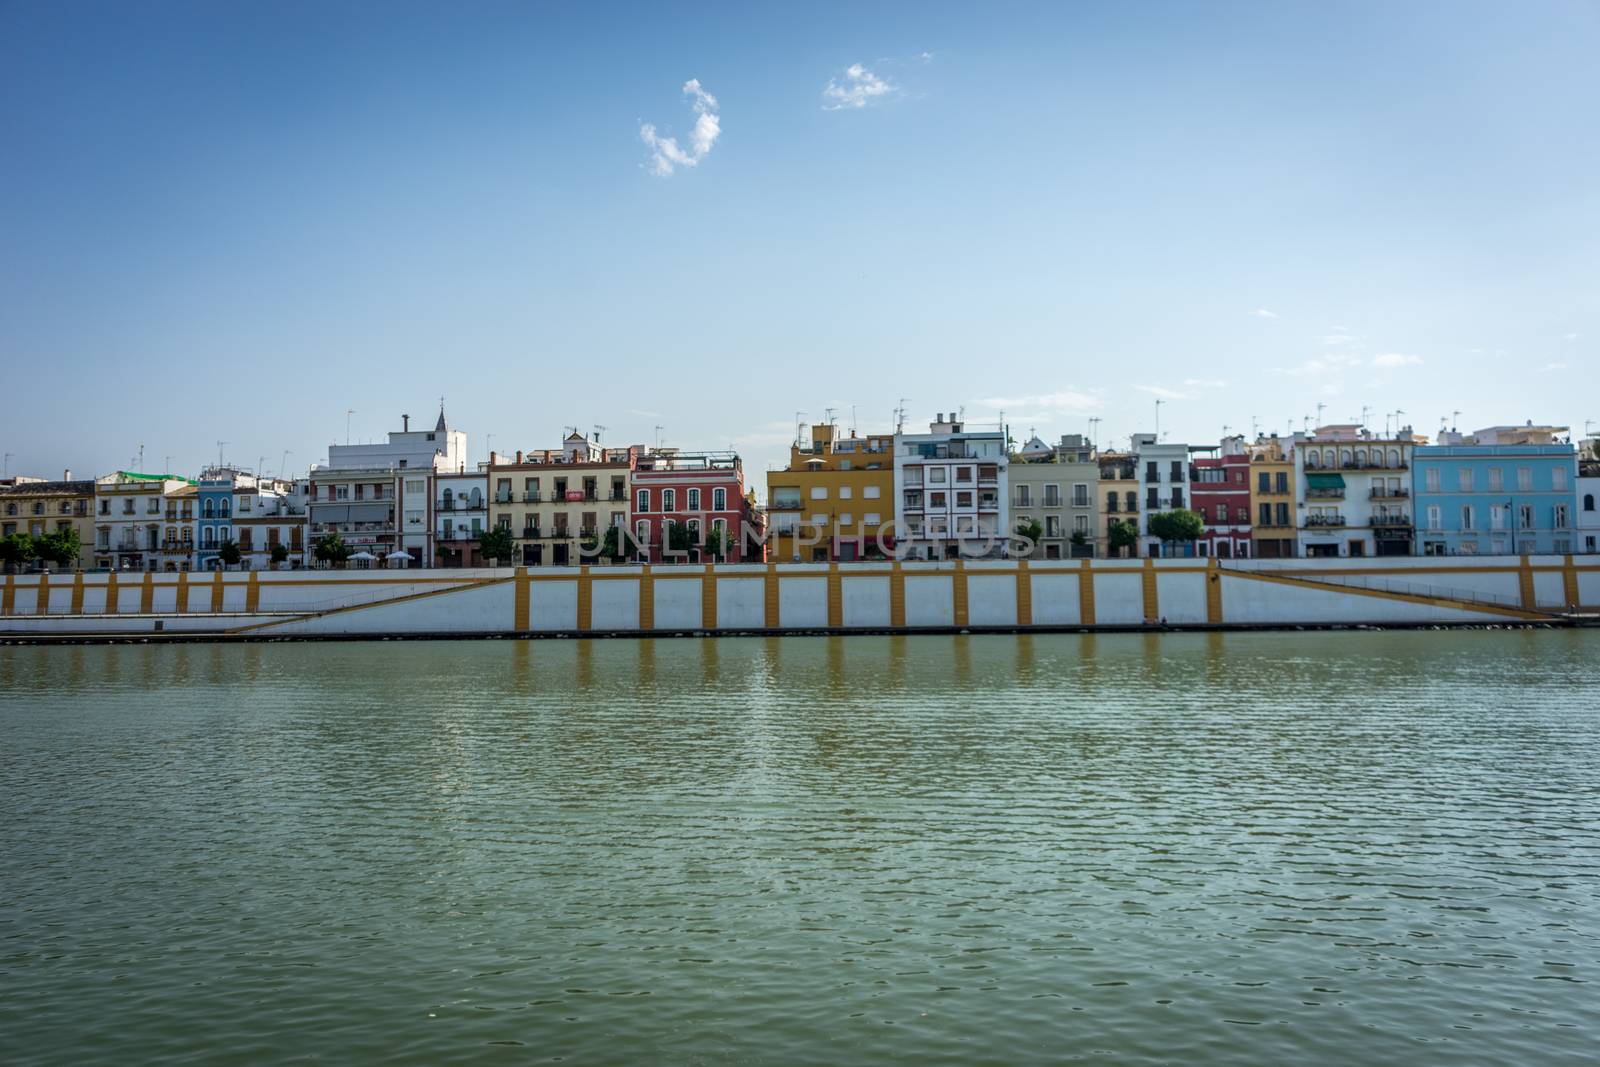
330 513
369 512
1324 481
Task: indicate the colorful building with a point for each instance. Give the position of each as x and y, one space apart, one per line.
1273 498
1119 496
1355 492
461 514
1220 493
557 501
1057 489
703 492
1479 499
834 501
37 507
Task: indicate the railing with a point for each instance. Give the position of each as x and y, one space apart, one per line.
1380 494
531 496
502 496
531 533
785 505
1325 520
1391 520
1325 494
1368 465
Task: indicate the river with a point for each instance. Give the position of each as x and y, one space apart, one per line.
1239 848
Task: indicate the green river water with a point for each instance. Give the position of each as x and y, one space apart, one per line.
1198 849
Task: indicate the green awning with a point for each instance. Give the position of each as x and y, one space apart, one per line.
1324 481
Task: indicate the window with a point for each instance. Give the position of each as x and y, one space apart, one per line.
413 485
844 464
669 499
1432 478
1080 495
1282 512
936 500
1464 479
1467 517
1024 496
1263 482
1080 524
846 518
936 475
1558 477
694 499
845 492
819 492
719 499
1559 517
1434 522
872 518
1524 479
1497 517
871 492
1588 502
1524 516
1052 526
964 475
964 498
209 509
1281 482
643 501
1265 516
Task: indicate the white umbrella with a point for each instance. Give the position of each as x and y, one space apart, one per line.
362 555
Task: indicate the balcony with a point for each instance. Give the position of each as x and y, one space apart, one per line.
502 496
1389 494
1325 494
1390 521
1368 465
531 496
617 498
1325 520
531 533
786 505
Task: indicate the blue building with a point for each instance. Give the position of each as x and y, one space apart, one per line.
215 521
1476 499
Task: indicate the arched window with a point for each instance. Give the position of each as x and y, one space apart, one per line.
694 499
1588 502
477 497
209 509
719 499
1361 458
449 499
225 507
669 500
209 537
1394 458
641 534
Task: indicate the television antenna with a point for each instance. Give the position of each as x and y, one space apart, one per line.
1094 432
347 413
598 430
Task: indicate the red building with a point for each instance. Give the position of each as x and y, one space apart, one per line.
1220 492
704 493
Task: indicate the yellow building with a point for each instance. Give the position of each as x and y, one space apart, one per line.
1272 499
1119 499
37 507
835 500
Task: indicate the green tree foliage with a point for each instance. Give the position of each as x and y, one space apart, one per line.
718 542
330 548
679 537
1179 525
16 549
495 543
1124 533
61 548
280 554
228 552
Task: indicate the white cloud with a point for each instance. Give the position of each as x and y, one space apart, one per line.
666 153
1554 366
1205 383
1569 337
1391 360
859 88
926 57
1263 313
1069 401
1162 392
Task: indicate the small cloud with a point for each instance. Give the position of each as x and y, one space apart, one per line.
1263 313
1162 392
859 88
1070 401
666 154
1205 383
1569 337
926 57
1553 367
1391 360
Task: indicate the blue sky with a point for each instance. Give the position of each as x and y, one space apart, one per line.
221 221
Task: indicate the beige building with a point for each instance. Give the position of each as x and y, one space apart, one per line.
37 507
556 500
1118 497
1057 488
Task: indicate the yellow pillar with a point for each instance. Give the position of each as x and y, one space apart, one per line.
147 594
111 593
1569 584
958 593
708 598
519 600
42 606
77 592
835 597
1024 594
897 595
1214 592
252 594
1085 593
1152 598
1530 598
183 592
772 619
217 593
585 599
647 599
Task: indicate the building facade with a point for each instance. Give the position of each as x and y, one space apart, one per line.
144 522
1355 492
951 493
1220 487
1163 471
1119 500
461 514
701 492
557 503
36 507
1273 499
1056 490
1476 499
834 502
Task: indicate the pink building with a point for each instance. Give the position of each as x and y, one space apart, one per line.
704 493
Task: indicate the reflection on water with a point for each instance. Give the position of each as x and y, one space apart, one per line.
1205 849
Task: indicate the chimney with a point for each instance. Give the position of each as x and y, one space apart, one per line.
519 455
405 423
66 475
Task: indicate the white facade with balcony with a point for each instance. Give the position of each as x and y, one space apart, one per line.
1354 492
1162 472
951 493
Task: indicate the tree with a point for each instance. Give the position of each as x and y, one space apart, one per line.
330 548
61 548
228 552
280 554
1178 525
495 543
1080 544
679 537
717 543
1124 533
16 549
609 545
1028 533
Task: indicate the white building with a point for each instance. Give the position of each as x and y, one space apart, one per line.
950 491
1354 492
1588 523
461 513
144 522
1163 472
